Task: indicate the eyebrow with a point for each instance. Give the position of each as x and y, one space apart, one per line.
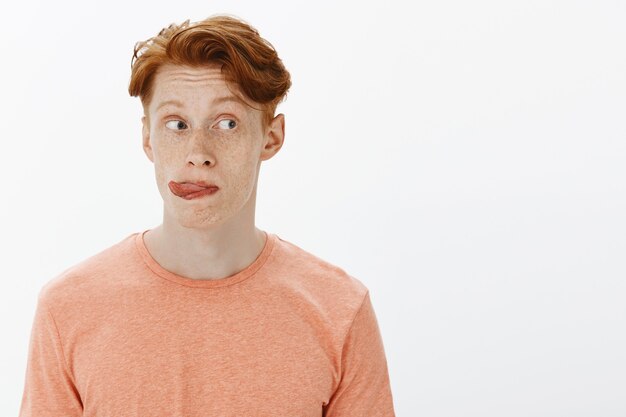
215 101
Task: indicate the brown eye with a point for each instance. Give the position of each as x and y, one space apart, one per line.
176 125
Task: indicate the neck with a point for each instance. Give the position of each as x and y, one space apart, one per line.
213 252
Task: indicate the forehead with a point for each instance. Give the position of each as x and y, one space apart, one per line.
180 74
180 81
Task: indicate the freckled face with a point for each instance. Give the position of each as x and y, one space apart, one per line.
195 132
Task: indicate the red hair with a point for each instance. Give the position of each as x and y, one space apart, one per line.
246 59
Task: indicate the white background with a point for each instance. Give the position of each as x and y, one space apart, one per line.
464 160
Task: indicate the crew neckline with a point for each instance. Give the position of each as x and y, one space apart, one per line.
249 271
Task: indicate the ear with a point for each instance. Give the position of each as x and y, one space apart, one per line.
274 137
145 133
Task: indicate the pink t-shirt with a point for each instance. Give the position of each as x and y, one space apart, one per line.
117 335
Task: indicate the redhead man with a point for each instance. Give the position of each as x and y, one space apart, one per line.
206 315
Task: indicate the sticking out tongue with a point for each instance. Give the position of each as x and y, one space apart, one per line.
184 189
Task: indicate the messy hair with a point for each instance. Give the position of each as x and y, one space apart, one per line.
246 59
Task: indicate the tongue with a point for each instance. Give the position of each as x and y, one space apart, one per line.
182 189
190 188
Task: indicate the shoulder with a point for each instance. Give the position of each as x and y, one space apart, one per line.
313 270
85 279
317 280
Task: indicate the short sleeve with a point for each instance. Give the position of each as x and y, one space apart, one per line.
364 388
49 390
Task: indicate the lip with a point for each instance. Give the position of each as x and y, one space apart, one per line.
192 189
199 194
200 183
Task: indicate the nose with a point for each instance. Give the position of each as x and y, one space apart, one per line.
200 152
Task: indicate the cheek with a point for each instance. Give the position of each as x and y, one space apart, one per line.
238 163
165 166
239 168
166 153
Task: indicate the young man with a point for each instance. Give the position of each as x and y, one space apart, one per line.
206 315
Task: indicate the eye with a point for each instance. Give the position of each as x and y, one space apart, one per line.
175 125
231 124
